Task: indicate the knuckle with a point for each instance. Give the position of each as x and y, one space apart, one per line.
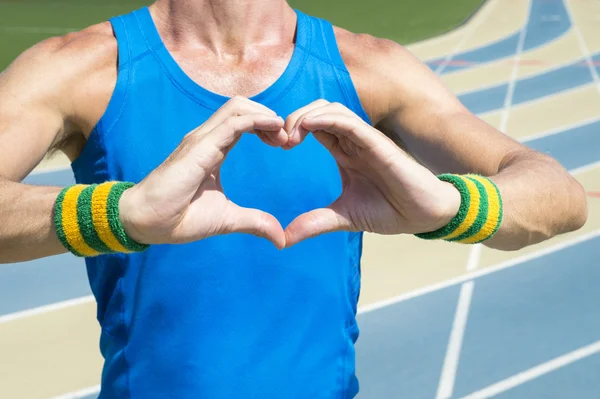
234 102
240 106
230 121
236 124
239 102
290 118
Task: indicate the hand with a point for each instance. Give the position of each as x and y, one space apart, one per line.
384 190
183 201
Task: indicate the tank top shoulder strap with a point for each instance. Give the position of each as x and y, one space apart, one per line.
324 46
130 33
132 45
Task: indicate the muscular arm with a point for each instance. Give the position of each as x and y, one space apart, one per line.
408 102
42 95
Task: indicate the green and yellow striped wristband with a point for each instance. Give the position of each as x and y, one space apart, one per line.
86 218
480 213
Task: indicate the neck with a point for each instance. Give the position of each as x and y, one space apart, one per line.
224 25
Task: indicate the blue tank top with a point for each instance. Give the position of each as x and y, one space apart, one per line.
229 316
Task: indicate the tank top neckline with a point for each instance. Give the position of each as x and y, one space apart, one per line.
209 98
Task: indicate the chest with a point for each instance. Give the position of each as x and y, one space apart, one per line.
232 73
283 183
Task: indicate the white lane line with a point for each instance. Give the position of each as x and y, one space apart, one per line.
536 372
36 30
79 394
46 308
394 300
452 358
466 36
480 272
448 377
65 168
562 129
374 306
504 59
583 46
473 260
541 99
555 131
554 68
585 168
515 71
457 30
51 169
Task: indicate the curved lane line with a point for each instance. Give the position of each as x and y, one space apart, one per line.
574 147
471 29
528 89
91 392
548 21
508 17
74 280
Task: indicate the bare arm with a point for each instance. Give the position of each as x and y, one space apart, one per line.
54 94
410 104
38 93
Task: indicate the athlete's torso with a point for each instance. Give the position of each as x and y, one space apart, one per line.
229 316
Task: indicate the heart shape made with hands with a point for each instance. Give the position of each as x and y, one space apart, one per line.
383 189
334 126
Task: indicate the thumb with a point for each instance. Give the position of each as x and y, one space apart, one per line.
255 222
316 222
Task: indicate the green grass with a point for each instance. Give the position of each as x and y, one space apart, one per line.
26 22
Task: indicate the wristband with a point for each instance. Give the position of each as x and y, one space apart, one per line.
479 215
87 220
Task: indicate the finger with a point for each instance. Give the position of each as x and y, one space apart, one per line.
236 106
299 132
275 138
353 128
265 139
291 121
255 222
328 141
314 223
209 150
227 132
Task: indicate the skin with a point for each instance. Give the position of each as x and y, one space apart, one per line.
53 95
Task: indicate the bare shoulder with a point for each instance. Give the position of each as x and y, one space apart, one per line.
386 74
71 75
68 53
63 85
363 50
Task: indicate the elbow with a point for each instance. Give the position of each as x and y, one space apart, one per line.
567 212
578 207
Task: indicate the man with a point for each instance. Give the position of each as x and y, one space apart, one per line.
146 99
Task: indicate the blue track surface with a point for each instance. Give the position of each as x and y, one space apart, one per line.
535 87
548 20
580 380
574 148
519 317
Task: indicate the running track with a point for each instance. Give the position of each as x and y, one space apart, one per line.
530 314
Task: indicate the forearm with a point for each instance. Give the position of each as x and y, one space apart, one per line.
540 200
26 222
